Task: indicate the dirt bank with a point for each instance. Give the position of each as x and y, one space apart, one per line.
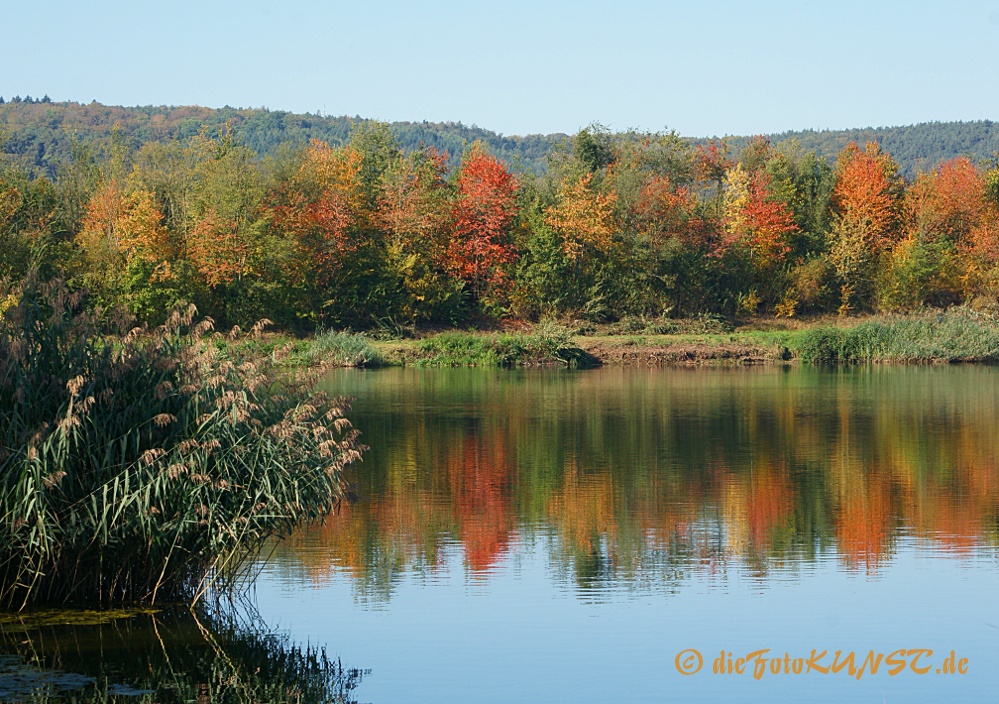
687 353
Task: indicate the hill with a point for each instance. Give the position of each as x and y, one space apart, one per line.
40 133
915 147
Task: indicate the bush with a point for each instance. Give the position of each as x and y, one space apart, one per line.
340 349
149 464
823 346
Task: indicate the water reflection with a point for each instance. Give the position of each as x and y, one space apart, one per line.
171 656
638 479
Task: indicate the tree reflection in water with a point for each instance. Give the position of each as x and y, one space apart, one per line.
632 477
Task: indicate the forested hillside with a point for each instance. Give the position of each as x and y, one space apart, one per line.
914 147
40 133
357 223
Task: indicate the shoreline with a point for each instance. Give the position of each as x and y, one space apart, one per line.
624 350
957 335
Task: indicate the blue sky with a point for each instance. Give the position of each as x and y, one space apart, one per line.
702 68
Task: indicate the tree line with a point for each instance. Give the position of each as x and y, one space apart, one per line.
617 224
40 133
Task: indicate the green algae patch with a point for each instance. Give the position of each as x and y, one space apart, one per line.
31 620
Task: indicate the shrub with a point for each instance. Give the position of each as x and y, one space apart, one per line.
823 346
148 464
340 349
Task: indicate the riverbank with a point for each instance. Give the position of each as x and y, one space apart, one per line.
958 335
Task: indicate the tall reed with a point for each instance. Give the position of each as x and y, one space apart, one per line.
955 335
148 464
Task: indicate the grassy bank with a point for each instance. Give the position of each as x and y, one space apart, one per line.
956 335
148 464
544 345
929 337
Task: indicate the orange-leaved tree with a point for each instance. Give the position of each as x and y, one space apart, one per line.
321 209
120 226
867 199
945 214
216 249
664 212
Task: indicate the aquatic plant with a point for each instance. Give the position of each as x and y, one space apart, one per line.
339 349
148 464
955 335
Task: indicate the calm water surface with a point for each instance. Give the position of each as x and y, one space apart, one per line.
551 536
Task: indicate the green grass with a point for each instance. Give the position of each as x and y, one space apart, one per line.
547 345
955 335
148 464
339 349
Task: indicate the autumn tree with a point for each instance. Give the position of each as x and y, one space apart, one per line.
979 251
410 208
321 211
866 198
121 226
757 227
754 219
948 203
584 217
664 212
482 213
226 202
671 241
952 235
944 212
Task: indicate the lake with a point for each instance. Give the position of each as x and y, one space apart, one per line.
559 536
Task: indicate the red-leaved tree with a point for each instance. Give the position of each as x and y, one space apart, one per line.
481 215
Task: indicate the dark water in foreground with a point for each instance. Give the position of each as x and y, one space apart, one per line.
562 536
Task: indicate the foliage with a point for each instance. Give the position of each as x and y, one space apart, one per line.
482 212
364 227
866 197
147 465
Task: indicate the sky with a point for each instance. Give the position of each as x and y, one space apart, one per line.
706 68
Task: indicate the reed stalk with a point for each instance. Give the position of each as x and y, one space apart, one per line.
148 465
